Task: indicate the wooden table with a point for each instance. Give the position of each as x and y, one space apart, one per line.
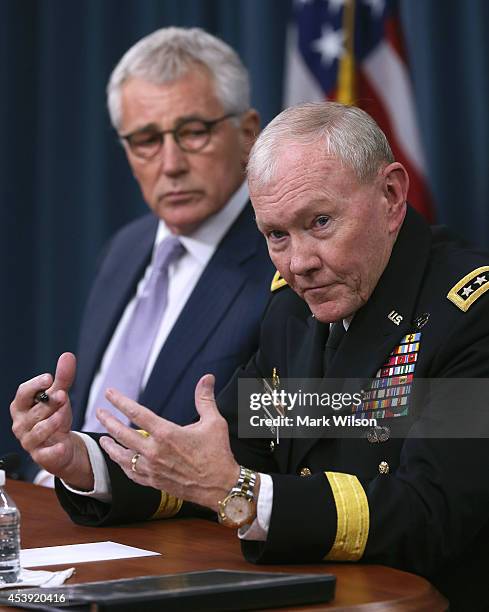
195 544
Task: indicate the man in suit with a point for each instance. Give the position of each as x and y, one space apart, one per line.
179 100
367 291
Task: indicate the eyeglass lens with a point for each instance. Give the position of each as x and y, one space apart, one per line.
190 136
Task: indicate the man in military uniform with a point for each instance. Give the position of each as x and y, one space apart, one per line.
401 301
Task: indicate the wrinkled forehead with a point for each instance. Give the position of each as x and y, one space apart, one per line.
189 96
306 182
287 158
272 159
296 169
192 85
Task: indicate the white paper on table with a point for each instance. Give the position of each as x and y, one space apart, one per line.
79 553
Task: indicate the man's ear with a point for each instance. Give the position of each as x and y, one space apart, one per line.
249 129
395 186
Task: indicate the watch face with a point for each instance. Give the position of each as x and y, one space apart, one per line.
238 509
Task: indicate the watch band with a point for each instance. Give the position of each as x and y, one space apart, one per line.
246 483
231 515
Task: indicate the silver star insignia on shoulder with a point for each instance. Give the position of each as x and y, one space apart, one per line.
470 288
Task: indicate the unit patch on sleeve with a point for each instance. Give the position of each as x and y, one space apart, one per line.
470 288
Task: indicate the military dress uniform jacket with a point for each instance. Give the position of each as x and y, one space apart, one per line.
417 504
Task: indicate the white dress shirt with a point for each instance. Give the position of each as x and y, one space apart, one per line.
183 276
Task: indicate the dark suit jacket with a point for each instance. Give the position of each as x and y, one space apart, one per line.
430 513
216 331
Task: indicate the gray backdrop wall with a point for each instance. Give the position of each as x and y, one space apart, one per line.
64 183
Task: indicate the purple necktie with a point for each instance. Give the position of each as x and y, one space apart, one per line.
126 369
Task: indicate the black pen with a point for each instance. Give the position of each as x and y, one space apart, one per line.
41 396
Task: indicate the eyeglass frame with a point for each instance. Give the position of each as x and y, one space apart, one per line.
209 124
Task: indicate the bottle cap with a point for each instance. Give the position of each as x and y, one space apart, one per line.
2 478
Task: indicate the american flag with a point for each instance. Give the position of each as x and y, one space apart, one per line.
352 51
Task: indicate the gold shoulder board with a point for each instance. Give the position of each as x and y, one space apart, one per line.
277 282
470 288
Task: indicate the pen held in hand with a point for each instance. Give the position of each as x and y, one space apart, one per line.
41 396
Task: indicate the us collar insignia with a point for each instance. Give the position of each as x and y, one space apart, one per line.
470 288
395 317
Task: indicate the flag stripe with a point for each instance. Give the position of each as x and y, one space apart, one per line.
395 38
300 84
372 73
418 195
390 79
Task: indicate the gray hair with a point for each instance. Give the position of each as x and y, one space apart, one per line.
168 54
346 132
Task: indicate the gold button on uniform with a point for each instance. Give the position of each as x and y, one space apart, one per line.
383 467
272 446
305 471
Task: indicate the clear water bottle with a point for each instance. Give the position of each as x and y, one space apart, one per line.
9 536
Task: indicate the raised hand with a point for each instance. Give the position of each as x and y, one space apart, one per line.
194 462
43 428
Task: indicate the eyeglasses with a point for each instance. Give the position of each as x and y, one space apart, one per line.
191 135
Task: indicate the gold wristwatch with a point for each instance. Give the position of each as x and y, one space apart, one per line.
239 507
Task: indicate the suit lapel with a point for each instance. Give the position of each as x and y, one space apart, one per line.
372 335
214 293
118 280
126 275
